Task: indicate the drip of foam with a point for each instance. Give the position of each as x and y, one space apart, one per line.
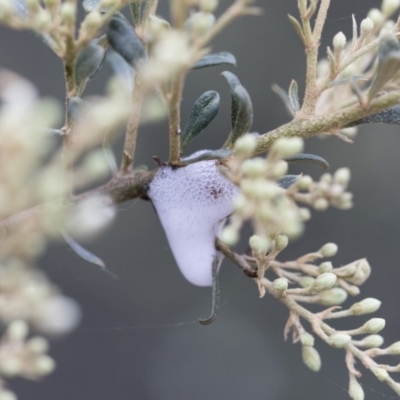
193 204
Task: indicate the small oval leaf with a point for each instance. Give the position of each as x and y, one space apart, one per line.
122 69
203 112
88 62
309 158
287 181
124 41
241 108
294 95
74 107
211 60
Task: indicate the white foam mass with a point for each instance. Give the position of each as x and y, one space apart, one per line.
193 203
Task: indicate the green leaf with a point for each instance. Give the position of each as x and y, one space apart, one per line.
388 63
203 112
241 108
213 59
309 158
390 116
123 39
204 155
287 181
294 96
86 254
87 63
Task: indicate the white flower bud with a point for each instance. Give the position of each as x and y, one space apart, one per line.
244 146
356 392
311 358
365 306
381 374
394 348
156 26
200 22
240 203
372 341
366 25
351 132
306 281
18 330
305 214
37 345
92 22
259 244
339 41
280 168
342 176
376 16
287 147
280 284
389 7
6 10
229 236
281 242
44 365
374 325
321 204
42 20
304 182
68 12
255 167
208 5
328 250
325 267
11 366
332 297
307 339
324 281
339 340
7 395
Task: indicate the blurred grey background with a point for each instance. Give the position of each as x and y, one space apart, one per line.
140 338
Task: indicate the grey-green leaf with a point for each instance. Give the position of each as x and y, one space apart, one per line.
124 41
88 62
388 63
86 254
241 107
284 97
204 155
74 107
390 116
90 5
121 68
287 181
203 112
294 95
345 81
309 158
214 59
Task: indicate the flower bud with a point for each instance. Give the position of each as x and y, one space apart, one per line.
339 41
376 16
356 392
255 167
389 7
259 244
366 25
305 213
244 146
280 284
11 366
307 339
280 168
372 341
339 340
42 20
342 176
7 395
332 297
6 10
306 281
68 12
92 23
328 250
17 330
281 242
394 349
229 236
304 182
365 306
287 147
208 5
321 204
311 358
374 325
351 132
325 267
324 281
381 374
239 203
37 345
44 365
